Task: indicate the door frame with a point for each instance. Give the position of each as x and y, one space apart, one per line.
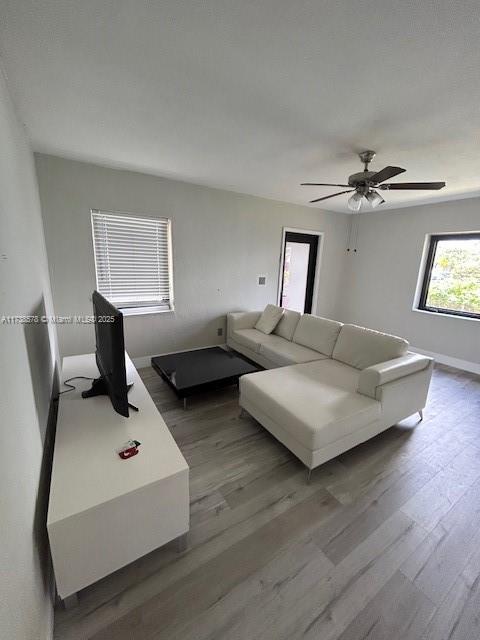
316 282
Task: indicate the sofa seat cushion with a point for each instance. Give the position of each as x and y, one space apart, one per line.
317 333
283 352
307 401
250 338
361 348
330 371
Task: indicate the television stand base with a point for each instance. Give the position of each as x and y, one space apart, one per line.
98 388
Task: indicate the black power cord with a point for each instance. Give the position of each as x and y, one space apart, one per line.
72 387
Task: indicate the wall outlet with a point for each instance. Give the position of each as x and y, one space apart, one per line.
219 331
262 280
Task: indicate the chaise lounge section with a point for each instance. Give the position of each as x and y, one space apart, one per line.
329 386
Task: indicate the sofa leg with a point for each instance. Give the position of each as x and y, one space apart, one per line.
309 475
242 414
420 413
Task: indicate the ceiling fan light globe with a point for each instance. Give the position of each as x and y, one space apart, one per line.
355 202
374 199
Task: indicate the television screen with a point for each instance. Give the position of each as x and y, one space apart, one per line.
110 355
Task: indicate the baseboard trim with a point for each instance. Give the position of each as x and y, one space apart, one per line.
144 361
457 363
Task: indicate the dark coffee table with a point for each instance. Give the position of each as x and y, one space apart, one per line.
192 372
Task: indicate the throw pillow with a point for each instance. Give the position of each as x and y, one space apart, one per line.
269 318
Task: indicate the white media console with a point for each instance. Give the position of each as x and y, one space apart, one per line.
105 512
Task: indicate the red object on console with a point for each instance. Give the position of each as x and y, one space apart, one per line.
128 453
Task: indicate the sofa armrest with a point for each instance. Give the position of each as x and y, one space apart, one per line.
379 374
242 320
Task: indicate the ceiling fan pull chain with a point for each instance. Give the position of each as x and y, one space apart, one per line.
349 236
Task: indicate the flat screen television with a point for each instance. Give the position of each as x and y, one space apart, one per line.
110 355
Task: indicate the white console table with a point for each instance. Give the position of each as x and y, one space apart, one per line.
105 512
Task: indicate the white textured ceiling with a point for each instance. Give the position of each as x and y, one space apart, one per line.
251 96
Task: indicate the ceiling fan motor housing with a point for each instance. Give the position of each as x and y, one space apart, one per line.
361 179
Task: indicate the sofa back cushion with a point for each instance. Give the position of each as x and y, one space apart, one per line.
362 348
287 325
317 333
269 319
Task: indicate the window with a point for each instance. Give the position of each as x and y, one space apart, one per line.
133 260
451 282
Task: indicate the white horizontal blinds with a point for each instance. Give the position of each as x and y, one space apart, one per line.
132 259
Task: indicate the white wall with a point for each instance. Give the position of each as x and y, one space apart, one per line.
381 277
222 242
27 356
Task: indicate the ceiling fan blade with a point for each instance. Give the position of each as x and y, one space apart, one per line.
322 184
385 174
413 185
332 196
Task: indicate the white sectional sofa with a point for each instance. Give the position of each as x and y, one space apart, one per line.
328 386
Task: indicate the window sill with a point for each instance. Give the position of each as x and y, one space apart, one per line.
145 311
445 315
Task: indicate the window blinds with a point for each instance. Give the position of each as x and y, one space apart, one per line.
133 259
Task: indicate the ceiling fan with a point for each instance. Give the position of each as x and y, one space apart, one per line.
364 184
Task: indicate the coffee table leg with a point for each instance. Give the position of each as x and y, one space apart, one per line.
184 404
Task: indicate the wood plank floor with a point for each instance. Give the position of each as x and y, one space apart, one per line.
383 544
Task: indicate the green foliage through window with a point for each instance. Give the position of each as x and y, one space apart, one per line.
455 275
